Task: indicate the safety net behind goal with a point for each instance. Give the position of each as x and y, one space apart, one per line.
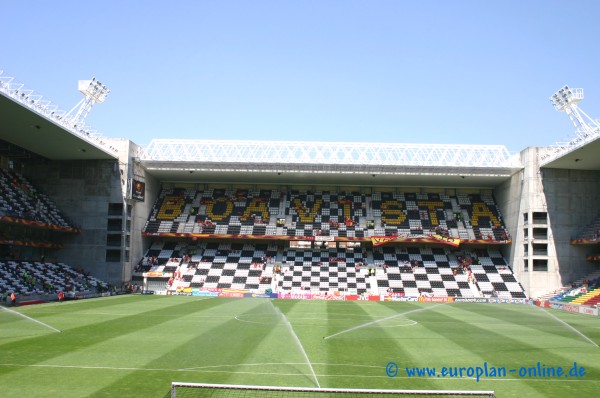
197 390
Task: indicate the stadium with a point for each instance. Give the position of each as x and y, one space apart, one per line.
339 268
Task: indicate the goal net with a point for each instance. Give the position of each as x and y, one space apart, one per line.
195 390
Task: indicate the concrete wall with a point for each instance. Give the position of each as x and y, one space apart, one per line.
569 198
82 191
139 216
572 202
508 199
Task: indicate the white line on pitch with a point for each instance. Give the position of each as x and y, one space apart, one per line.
298 342
287 374
363 325
569 326
31 319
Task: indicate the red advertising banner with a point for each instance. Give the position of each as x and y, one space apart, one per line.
296 296
331 297
382 240
570 308
455 242
375 240
328 297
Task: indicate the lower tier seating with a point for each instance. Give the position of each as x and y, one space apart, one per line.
324 271
28 278
210 265
408 271
415 271
585 291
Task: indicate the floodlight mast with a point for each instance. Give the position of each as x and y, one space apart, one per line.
94 93
566 100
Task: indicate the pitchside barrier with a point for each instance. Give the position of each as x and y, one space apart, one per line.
575 308
337 296
195 390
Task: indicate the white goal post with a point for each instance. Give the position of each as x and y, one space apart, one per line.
184 390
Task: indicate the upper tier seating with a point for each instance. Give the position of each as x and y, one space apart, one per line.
214 211
325 213
19 199
591 232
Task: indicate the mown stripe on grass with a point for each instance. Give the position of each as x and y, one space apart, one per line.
373 345
380 321
475 344
227 342
525 316
75 314
297 342
137 342
180 327
46 348
577 331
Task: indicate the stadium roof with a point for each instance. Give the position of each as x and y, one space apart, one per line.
37 125
583 158
581 153
341 163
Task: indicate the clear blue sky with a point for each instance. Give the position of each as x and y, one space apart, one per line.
445 71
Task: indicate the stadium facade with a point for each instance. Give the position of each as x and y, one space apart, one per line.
109 188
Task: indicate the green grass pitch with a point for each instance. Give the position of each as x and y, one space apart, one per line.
137 345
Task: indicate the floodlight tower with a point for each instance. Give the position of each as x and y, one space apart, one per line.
94 92
566 100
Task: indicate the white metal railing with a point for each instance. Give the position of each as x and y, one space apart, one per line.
17 91
329 153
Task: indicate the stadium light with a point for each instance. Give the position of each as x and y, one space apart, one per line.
94 92
586 128
93 89
566 97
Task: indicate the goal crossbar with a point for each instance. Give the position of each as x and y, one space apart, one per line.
253 390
